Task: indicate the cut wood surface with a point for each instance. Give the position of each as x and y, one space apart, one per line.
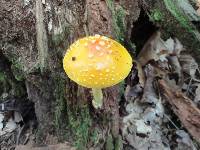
184 108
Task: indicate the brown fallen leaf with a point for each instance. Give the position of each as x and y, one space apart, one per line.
188 64
176 67
158 49
184 141
140 74
149 95
183 107
152 50
131 93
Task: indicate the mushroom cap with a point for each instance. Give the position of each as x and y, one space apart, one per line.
97 62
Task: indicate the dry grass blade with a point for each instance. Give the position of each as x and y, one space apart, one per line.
184 108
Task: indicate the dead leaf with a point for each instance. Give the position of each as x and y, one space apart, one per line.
149 95
132 93
175 47
188 64
184 141
140 74
17 117
176 67
158 49
10 126
153 49
152 115
142 128
197 95
178 47
139 142
133 108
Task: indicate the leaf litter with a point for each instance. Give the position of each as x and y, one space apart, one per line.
15 116
163 106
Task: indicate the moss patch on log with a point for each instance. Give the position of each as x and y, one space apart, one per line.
118 16
175 23
156 15
10 86
60 111
181 18
80 126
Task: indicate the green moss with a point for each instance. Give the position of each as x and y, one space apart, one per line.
156 15
2 82
77 121
80 126
118 16
18 89
109 143
11 86
94 138
17 72
60 121
118 143
181 18
2 76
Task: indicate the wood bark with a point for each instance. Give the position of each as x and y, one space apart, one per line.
184 108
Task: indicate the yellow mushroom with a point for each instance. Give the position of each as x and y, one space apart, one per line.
97 62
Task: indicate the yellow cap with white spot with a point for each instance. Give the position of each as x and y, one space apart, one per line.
97 62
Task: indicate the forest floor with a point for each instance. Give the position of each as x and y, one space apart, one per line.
160 106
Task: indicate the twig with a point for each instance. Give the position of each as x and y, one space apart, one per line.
171 122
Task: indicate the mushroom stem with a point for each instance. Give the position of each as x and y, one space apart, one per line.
98 97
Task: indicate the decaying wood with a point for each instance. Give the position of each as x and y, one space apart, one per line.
49 147
184 108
